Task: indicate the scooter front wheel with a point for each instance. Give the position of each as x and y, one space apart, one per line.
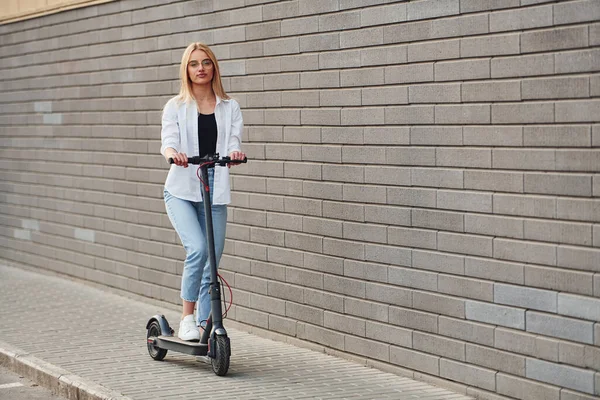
220 364
153 332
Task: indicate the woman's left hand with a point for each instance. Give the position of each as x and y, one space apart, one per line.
236 155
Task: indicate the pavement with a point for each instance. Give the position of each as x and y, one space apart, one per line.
87 342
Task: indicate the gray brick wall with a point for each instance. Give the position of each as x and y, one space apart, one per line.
424 182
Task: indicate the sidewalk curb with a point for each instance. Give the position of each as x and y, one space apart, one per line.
56 379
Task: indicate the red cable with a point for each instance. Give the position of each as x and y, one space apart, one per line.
230 292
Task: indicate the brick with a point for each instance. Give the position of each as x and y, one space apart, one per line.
566 394
389 334
363 154
468 244
364 347
320 79
366 271
532 252
283 221
490 45
409 115
577 61
557 136
426 9
344 97
491 91
498 360
410 156
521 19
526 343
365 310
579 258
556 88
461 157
439 345
384 96
263 30
388 175
479 5
578 306
363 116
531 206
382 55
299 26
340 59
492 180
304 98
438 220
411 237
554 39
524 297
327 337
493 135
494 270
495 314
559 232
560 327
361 37
525 389
436 93
578 111
504 67
551 278
364 194
524 159
578 11
411 197
413 319
352 212
339 21
387 215
323 300
321 42
301 134
561 375
436 135
365 232
285 256
413 278
304 313
438 50
310 7
383 15
439 304
438 262
302 62
563 184
577 160
343 173
465 330
523 113
388 294
464 200
476 376
409 73
462 70
387 254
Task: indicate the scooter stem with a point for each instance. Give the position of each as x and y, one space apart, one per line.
215 289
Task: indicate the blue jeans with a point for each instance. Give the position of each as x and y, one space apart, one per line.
187 217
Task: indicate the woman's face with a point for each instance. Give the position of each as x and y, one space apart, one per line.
200 68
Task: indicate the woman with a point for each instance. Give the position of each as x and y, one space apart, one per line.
201 120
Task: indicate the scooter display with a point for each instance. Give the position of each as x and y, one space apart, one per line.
214 343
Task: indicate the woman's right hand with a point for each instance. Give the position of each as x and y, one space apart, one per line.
179 159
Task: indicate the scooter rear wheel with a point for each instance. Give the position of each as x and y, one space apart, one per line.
155 352
220 364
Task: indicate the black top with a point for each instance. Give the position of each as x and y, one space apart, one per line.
207 134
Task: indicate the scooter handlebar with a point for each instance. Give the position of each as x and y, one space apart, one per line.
213 160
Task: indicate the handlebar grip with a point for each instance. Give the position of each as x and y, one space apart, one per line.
171 161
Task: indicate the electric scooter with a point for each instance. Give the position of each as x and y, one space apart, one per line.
214 343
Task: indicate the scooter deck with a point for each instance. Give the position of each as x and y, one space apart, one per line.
181 346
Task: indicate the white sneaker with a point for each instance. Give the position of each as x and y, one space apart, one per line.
188 329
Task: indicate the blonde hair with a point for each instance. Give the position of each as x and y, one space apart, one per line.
185 92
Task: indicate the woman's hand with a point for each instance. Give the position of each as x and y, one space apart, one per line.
236 155
179 159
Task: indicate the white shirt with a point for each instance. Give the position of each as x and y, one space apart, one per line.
180 132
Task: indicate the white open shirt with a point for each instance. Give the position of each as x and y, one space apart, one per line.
180 132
